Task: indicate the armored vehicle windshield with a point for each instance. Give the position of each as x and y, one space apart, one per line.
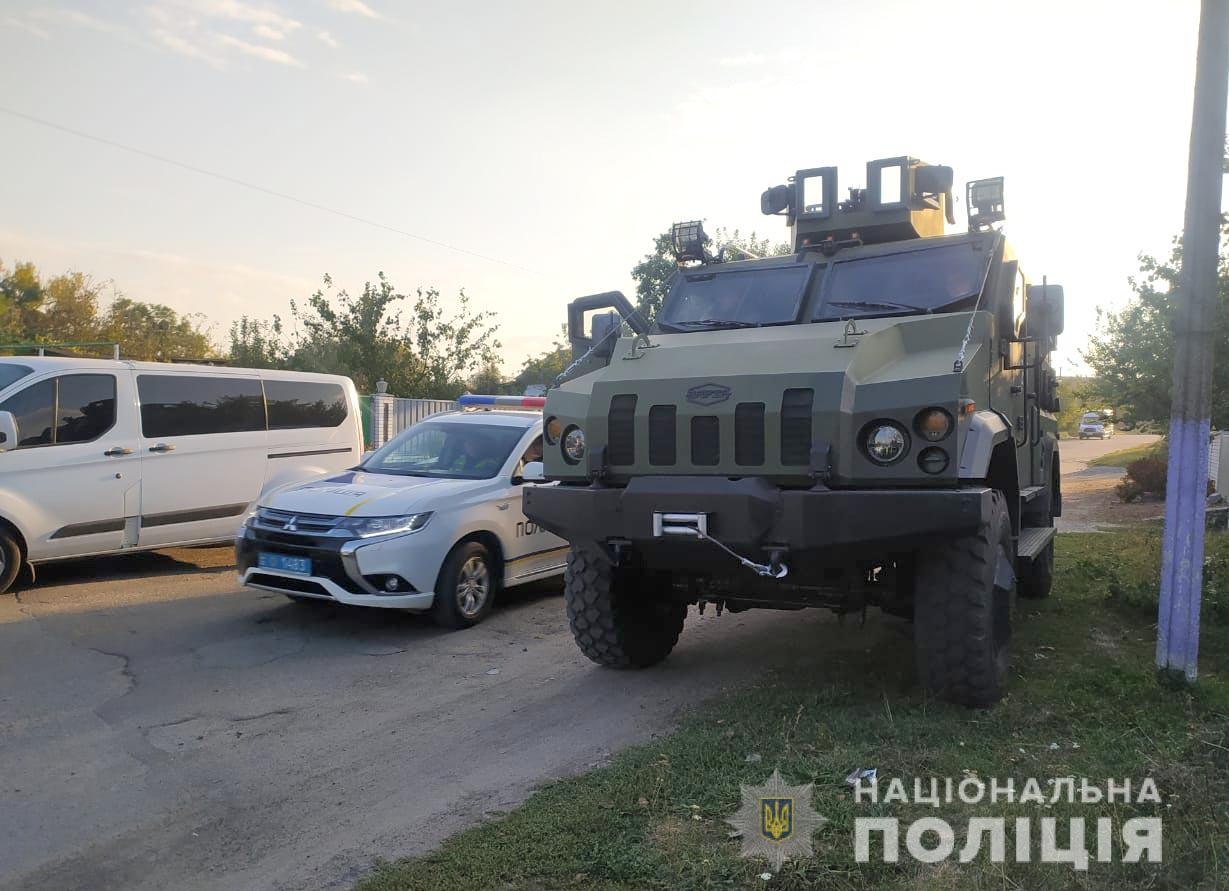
872 281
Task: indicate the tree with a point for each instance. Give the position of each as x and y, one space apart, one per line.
410 341
1132 352
546 366
153 331
655 272
68 309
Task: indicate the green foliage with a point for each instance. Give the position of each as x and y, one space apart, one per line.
68 308
1133 349
655 272
1146 475
1076 399
545 367
408 340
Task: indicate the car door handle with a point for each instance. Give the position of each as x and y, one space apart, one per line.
503 506
162 447
117 451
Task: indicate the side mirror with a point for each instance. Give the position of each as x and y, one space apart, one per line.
8 431
1045 310
534 472
603 333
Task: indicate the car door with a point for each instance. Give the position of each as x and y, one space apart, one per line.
74 477
203 451
530 551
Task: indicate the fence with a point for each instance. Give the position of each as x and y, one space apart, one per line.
391 414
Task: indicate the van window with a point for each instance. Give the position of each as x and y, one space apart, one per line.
295 404
11 374
86 407
187 405
86 410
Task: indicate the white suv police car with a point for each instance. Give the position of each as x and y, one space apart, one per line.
430 522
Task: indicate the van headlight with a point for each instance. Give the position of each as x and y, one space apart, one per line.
366 527
574 445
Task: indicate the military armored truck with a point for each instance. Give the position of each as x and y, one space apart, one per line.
867 421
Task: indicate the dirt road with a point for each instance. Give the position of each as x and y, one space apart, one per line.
163 728
1089 502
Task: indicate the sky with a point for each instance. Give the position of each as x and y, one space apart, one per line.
536 148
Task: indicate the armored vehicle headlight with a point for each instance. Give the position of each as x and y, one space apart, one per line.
884 442
932 424
573 445
932 460
551 430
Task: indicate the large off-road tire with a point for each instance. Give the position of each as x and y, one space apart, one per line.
10 560
962 612
620 618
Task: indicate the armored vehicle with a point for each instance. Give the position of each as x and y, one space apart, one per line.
866 421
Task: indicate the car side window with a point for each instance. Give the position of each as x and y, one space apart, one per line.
533 453
68 409
190 405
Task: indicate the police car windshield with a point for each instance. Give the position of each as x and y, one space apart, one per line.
919 281
448 450
739 298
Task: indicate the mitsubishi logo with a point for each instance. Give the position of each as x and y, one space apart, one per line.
292 525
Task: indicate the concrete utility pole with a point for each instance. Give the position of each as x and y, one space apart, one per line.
1177 645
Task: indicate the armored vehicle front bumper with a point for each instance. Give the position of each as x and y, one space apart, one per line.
754 513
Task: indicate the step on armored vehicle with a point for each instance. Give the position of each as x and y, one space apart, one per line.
866 421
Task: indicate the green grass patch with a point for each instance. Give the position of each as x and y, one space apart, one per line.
1123 457
1084 701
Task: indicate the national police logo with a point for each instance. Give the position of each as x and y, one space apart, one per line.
776 821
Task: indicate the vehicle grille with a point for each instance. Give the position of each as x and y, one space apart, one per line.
663 435
796 426
705 440
749 434
300 524
621 435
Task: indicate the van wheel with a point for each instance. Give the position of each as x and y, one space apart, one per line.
964 593
466 587
10 560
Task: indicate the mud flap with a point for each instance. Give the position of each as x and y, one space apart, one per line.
1004 572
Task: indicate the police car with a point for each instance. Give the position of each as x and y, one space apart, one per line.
430 522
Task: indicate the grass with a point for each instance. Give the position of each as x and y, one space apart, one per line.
1123 457
1084 701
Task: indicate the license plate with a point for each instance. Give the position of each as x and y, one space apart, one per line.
286 563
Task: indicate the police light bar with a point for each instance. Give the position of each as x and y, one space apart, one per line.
471 401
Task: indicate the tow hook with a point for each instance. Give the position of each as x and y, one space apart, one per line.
696 526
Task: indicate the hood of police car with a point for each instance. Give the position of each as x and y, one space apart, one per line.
357 493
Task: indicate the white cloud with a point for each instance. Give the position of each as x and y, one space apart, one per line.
327 39
355 77
179 44
22 25
355 6
268 33
268 53
744 60
233 10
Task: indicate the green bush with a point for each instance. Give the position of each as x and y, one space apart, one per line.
1145 476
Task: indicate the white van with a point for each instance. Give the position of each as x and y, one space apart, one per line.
99 456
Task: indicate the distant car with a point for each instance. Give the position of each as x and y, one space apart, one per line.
430 522
1095 424
103 456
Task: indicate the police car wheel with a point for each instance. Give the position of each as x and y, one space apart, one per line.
964 592
10 561
466 587
619 618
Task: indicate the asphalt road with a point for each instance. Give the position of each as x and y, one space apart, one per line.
161 727
1076 453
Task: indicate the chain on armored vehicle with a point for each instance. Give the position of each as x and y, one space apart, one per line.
866 421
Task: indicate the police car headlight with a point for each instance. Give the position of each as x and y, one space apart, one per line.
884 443
366 527
574 445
